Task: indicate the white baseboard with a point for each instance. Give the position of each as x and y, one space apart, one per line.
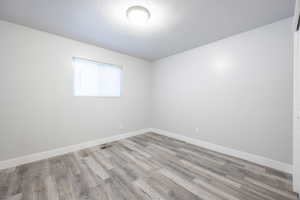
232 152
64 150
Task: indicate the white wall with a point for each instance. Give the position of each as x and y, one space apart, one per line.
296 138
237 91
38 111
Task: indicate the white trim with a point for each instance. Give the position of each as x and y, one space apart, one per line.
232 152
68 149
296 185
64 150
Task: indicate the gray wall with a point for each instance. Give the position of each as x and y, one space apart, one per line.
237 91
38 111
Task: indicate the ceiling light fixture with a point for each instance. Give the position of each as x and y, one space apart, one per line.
138 15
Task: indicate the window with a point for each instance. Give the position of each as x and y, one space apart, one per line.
96 79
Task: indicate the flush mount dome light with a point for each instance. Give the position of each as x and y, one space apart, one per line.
138 15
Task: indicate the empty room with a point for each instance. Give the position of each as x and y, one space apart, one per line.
149 100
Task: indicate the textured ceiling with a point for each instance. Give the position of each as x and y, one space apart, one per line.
175 25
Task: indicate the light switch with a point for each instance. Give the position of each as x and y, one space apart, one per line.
298 116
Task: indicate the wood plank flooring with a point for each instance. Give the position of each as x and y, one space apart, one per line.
145 167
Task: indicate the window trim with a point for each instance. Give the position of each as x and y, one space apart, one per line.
95 61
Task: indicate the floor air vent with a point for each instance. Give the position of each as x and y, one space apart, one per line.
105 146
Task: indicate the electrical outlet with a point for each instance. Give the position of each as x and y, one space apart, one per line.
121 126
197 130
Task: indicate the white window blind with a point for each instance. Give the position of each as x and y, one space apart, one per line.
96 79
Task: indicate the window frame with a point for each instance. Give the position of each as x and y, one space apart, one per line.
95 61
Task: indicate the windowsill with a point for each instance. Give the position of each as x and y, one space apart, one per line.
101 97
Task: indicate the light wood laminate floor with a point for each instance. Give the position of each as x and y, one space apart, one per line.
145 167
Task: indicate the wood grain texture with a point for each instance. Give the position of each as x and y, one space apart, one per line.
145 167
